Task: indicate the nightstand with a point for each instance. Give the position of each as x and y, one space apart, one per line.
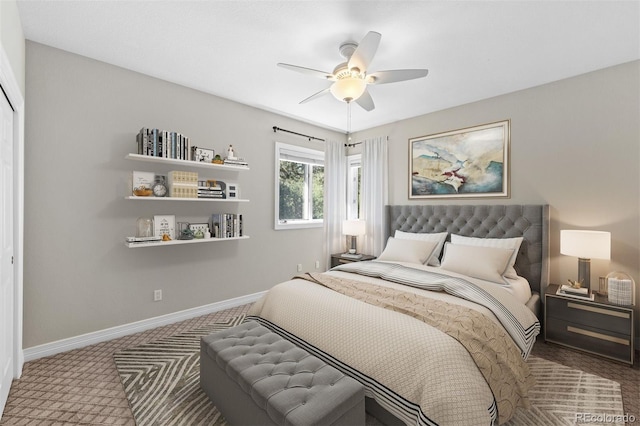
337 259
594 326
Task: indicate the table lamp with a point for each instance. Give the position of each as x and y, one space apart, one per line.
353 228
585 245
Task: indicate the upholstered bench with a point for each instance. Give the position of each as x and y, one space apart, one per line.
256 377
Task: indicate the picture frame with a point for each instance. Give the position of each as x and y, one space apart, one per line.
164 224
141 183
199 229
202 155
465 163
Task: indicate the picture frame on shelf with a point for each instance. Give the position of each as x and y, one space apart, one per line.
202 155
199 229
141 183
164 225
469 162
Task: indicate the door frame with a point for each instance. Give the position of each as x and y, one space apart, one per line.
10 86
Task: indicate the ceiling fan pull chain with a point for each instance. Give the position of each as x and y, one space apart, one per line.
348 121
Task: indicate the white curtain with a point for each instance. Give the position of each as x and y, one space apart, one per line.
374 197
335 198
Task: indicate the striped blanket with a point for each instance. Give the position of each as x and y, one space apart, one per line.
521 324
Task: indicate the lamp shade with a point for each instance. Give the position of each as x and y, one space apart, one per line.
353 227
348 89
585 244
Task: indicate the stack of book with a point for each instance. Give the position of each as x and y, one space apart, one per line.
211 189
580 292
140 240
163 143
236 162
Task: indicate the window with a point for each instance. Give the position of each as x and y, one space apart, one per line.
299 187
354 185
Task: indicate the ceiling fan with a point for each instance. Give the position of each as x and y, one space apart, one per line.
350 79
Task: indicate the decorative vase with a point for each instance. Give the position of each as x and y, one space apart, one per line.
144 227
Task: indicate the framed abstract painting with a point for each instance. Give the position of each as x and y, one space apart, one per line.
470 162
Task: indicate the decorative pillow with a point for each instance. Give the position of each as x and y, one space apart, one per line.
413 251
438 237
485 263
506 243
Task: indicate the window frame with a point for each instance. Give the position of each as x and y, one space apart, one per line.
314 157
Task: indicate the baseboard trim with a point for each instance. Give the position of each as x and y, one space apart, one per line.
83 340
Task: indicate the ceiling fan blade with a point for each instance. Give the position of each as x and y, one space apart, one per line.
308 71
392 76
366 101
365 51
315 95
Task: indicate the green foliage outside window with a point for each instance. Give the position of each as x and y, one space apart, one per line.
294 191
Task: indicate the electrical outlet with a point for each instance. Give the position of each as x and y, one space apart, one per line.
299 267
157 295
317 264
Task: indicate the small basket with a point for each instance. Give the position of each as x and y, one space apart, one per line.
621 288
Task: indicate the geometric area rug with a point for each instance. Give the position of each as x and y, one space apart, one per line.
161 380
566 396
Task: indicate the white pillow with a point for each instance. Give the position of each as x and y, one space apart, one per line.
485 263
413 251
506 243
439 237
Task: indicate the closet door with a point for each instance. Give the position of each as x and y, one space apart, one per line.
6 250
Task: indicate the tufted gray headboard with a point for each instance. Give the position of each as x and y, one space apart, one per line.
488 221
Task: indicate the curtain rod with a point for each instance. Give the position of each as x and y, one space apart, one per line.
275 129
352 144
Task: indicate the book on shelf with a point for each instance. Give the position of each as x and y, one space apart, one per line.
236 162
163 144
211 189
142 239
226 225
578 293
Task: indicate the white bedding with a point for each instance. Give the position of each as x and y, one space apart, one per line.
418 386
519 287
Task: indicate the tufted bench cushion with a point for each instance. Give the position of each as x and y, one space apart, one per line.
256 377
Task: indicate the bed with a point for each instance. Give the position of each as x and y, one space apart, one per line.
437 329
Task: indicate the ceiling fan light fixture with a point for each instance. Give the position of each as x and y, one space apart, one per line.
348 89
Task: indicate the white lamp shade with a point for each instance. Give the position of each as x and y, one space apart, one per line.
353 227
585 244
348 89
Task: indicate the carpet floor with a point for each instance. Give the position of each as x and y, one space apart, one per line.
83 386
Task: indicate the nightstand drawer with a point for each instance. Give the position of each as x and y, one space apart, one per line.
607 319
591 339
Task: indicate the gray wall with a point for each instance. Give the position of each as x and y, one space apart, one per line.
81 120
575 145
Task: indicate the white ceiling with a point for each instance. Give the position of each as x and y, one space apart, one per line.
473 49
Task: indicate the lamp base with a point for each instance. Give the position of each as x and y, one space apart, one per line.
584 272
